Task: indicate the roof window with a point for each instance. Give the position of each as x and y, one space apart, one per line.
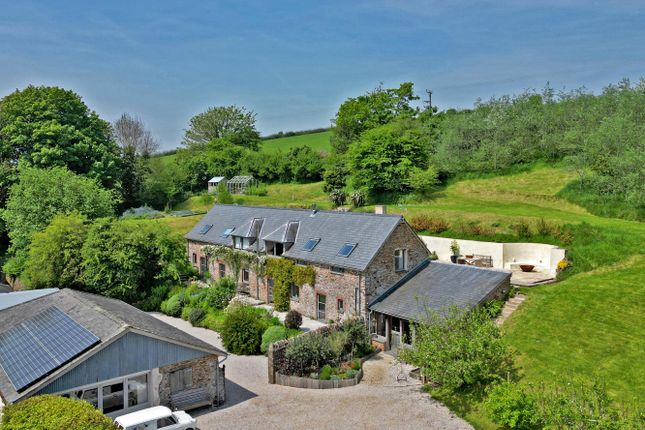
205 228
311 244
346 249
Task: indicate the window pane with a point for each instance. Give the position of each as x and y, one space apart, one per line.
113 397
91 395
137 390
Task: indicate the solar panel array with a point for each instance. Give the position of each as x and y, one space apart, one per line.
44 342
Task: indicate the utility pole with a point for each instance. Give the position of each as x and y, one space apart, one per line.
428 103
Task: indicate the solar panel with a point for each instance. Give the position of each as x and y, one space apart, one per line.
346 249
205 228
40 344
228 232
311 244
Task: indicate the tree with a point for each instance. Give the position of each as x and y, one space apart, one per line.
378 107
233 123
422 181
383 158
130 132
305 164
54 259
39 195
52 127
49 412
126 259
459 348
223 196
163 184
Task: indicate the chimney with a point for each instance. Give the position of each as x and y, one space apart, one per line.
380 209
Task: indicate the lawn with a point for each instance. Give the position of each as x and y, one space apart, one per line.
590 325
319 142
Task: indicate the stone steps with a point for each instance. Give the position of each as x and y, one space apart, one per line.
509 307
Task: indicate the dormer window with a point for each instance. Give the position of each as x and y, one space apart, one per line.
241 242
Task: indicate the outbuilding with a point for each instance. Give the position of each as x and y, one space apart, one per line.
214 182
106 352
432 286
239 184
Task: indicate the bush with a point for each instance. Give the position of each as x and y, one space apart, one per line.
196 316
185 312
306 354
293 319
513 408
338 197
358 198
213 320
242 330
50 412
173 306
271 335
355 364
459 348
154 299
219 295
424 222
325 373
522 229
351 373
358 337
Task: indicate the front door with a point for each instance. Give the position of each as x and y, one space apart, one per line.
203 265
395 334
321 299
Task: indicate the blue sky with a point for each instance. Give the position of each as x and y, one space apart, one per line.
294 62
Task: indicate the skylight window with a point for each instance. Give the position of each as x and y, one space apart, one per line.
205 228
311 244
346 249
228 231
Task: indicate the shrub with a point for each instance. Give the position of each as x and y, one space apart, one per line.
271 335
358 198
306 354
325 373
257 190
338 341
351 373
358 338
338 197
154 299
293 319
213 320
513 408
543 227
50 412
223 196
196 316
425 222
459 348
173 306
220 293
522 229
355 364
185 312
433 256
242 330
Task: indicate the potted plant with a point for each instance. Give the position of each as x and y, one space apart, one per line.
454 248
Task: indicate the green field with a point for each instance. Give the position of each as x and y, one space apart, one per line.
319 142
589 326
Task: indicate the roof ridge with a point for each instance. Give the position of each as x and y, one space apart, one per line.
310 210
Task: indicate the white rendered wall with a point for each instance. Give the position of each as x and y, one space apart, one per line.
543 256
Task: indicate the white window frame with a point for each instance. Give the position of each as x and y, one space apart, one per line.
402 258
246 272
296 297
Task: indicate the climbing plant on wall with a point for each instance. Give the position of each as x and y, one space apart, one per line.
285 273
235 259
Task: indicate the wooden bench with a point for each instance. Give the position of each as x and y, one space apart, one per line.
191 399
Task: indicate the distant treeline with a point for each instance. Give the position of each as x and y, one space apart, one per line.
294 133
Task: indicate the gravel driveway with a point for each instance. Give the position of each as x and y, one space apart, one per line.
252 403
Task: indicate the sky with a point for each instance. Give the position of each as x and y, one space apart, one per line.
294 62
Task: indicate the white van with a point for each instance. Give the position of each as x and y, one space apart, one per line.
156 418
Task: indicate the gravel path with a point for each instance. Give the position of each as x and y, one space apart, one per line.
252 403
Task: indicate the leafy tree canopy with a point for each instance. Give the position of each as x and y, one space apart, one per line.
383 158
233 123
40 194
52 127
378 107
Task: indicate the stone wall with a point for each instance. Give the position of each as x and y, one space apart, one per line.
206 373
334 286
381 273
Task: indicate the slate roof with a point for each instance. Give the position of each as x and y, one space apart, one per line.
435 285
14 298
106 318
368 231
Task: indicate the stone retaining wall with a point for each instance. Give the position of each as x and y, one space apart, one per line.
304 382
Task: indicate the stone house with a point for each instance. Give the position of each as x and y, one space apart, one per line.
356 256
104 351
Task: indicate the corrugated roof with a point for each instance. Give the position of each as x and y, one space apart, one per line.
334 229
436 286
14 298
106 318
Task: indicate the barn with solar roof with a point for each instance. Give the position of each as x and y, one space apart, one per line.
104 351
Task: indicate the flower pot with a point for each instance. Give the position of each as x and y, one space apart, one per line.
453 258
527 267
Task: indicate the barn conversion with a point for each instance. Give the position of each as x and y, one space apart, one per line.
104 351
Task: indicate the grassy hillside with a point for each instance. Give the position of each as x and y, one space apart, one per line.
317 141
587 326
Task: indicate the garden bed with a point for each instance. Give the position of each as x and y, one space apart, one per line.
320 384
